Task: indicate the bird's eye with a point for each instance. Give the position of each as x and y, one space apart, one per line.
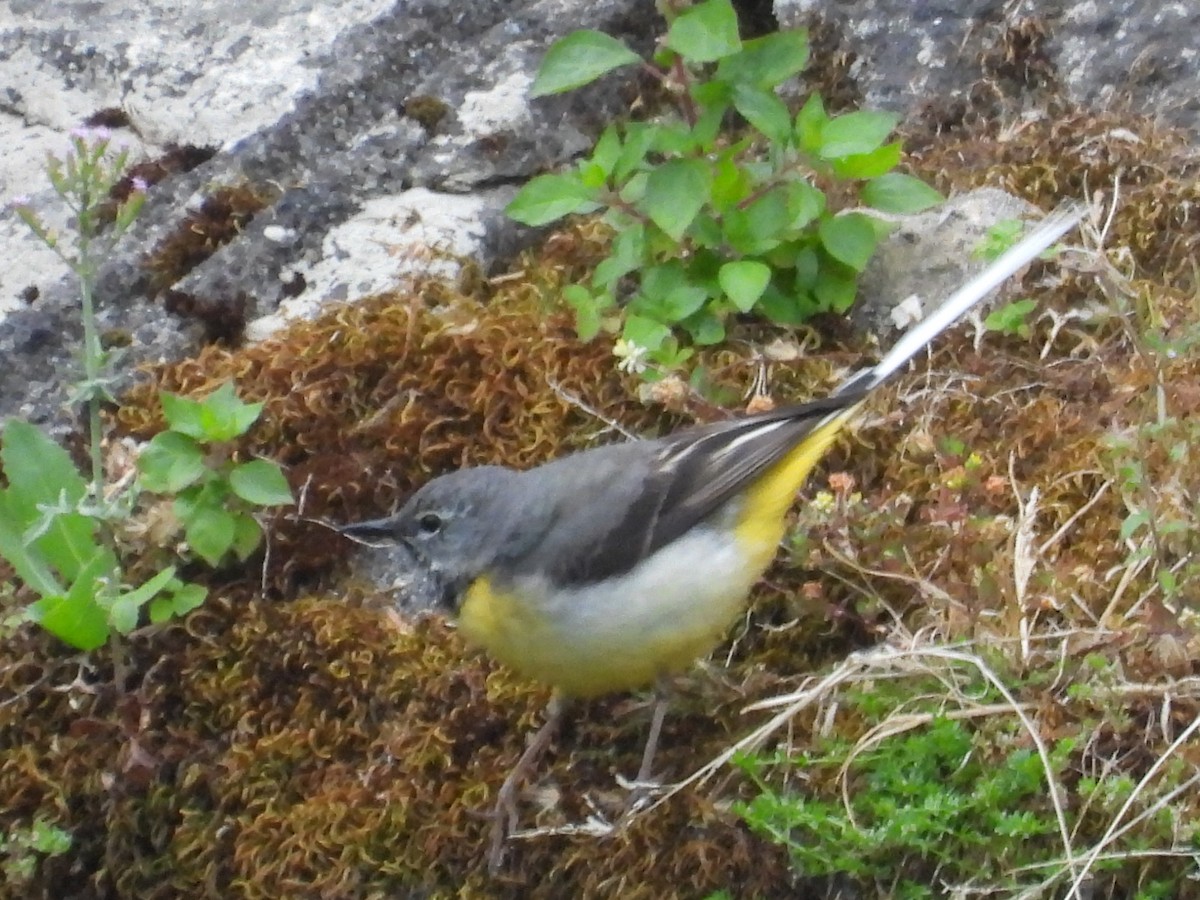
430 523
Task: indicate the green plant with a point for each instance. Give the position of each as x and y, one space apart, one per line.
1152 458
999 238
22 847
710 224
84 178
59 528
926 801
51 530
214 495
1011 318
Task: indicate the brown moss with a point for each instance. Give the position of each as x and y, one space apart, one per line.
109 117
175 159
223 318
427 111
219 218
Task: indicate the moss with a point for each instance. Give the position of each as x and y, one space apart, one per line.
310 744
427 111
218 219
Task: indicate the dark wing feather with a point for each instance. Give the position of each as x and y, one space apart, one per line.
688 477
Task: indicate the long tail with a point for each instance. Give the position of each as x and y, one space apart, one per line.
960 302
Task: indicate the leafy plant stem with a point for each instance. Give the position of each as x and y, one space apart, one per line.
92 358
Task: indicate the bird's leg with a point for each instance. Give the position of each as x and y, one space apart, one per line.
646 770
644 782
504 816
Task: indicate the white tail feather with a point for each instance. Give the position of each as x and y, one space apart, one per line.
960 302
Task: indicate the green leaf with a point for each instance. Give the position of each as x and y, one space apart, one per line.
676 191
639 137
730 183
588 309
226 416
744 282
578 59
645 332
219 417
126 608
810 121
856 132
999 238
123 614
41 473
667 294
804 203
176 601
766 112
706 232
708 127
77 618
658 281
835 292
210 531
706 32
761 226
626 255
667 357
606 153
807 265
849 239
183 414
786 308
29 564
899 193
1010 318
674 306
141 595
247 535
768 61
170 462
878 162
37 468
674 139
548 198
1133 523
260 482
705 328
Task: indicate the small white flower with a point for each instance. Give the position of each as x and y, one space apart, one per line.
632 357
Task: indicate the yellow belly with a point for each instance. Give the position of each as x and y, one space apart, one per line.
657 618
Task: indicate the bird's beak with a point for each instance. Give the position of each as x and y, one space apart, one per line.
372 533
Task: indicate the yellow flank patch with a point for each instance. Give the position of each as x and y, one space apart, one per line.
761 522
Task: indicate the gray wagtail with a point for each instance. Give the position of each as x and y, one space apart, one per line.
611 567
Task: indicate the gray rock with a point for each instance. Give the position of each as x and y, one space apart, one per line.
927 257
1136 54
310 105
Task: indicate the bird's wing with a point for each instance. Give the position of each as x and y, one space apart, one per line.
663 488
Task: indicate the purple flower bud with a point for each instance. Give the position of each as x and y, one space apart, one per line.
91 135
140 184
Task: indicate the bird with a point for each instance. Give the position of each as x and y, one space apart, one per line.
610 568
